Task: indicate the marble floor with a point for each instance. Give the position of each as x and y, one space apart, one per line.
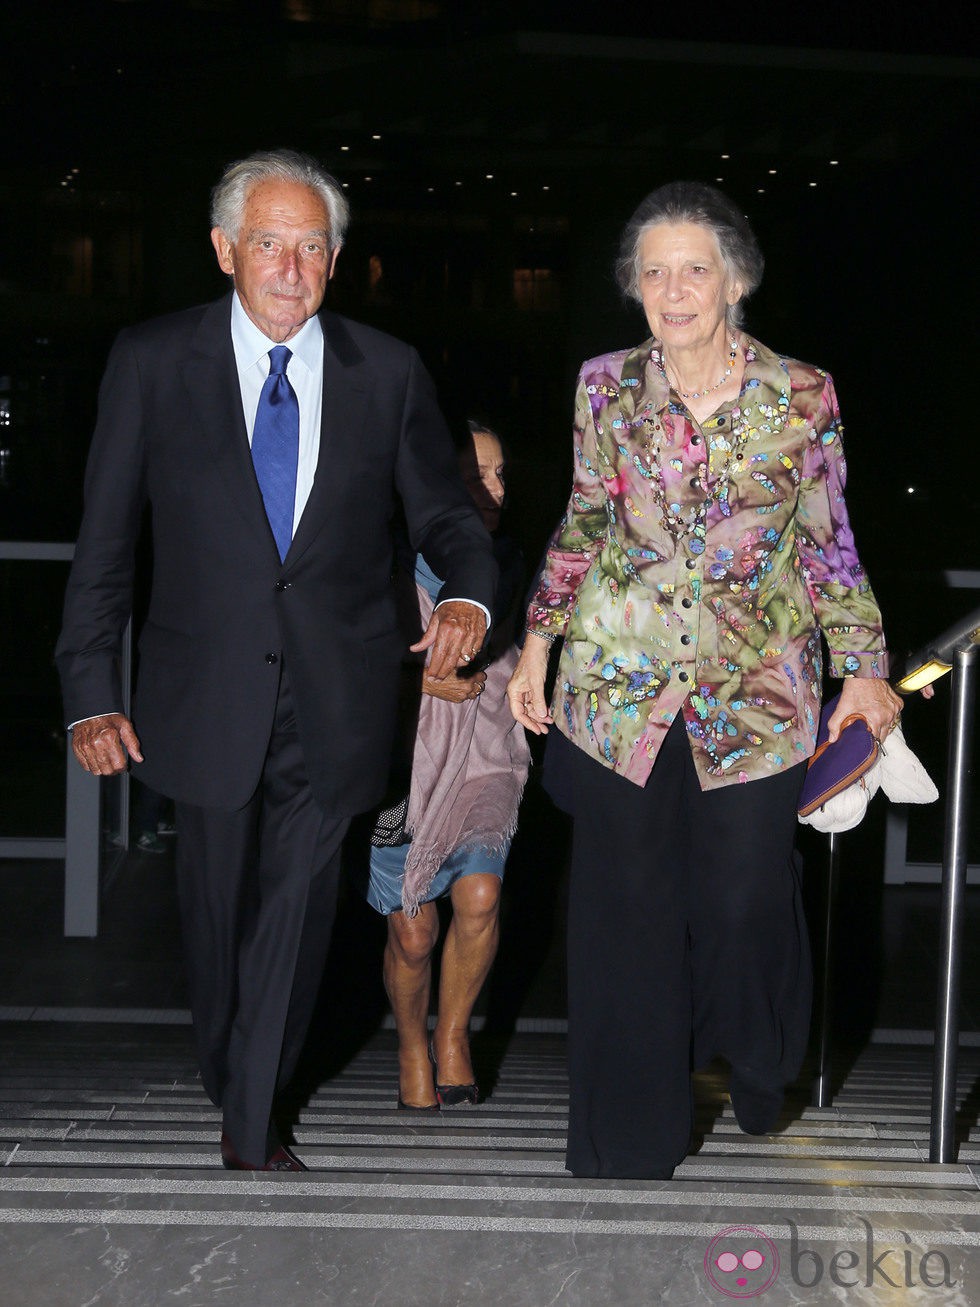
111 1192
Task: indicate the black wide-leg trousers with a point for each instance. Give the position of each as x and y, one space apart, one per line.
686 941
257 888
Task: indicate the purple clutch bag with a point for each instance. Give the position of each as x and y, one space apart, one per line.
834 767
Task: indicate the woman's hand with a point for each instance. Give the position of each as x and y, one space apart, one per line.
455 688
871 698
525 689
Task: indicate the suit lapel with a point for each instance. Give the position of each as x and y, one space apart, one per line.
211 379
342 417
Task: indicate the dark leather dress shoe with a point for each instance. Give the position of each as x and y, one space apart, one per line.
283 1159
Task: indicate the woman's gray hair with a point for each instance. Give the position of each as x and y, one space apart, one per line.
707 207
229 197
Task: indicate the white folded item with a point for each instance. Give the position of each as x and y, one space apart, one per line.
897 771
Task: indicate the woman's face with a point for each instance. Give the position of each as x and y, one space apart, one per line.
482 466
684 285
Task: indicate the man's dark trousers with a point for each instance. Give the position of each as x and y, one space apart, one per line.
254 979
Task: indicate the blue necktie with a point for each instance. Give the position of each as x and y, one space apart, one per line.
275 447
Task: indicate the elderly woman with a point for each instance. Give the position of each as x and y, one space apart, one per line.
469 765
704 550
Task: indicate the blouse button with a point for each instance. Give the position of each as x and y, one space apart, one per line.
683 676
695 440
690 564
685 639
687 603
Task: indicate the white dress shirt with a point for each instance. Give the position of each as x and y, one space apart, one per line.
305 373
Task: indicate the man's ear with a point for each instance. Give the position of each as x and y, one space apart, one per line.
223 249
334 255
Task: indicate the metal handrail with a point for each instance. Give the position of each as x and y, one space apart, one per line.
957 647
81 845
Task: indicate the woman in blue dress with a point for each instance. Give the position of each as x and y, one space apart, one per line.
469 765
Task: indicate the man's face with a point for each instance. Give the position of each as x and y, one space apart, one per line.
280 260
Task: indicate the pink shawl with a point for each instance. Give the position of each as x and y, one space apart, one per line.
468 772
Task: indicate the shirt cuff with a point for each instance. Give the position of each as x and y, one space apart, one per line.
475 602
71 725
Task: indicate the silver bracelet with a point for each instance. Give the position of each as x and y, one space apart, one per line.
542 635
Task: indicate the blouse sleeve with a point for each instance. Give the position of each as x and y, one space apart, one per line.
846 609
580 534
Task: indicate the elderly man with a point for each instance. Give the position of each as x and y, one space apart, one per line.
270 439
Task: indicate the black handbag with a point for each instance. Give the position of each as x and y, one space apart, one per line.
389 827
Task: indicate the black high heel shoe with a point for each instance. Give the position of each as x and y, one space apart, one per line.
453 1095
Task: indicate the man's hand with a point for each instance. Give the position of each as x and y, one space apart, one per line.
455 688
104 745
455 635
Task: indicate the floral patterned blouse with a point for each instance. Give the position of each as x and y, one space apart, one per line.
696 566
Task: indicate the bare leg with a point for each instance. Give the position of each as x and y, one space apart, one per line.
408 979
469 951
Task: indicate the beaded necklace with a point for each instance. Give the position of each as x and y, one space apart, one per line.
700 394
681 525
692 524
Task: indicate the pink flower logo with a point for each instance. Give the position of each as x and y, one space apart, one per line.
741 1262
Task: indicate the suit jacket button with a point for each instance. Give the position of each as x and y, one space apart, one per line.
281 585
271 658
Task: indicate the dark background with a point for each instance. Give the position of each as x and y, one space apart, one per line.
492 153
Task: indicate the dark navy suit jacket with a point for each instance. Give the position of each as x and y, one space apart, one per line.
224 612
